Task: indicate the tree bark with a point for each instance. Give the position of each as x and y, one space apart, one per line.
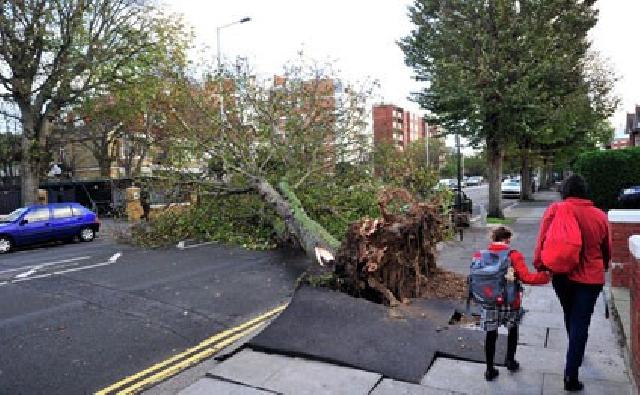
494 161
30 160
525 175
307 239
105 167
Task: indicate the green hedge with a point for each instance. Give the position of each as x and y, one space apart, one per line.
607 172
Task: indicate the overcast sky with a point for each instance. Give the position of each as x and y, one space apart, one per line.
361 35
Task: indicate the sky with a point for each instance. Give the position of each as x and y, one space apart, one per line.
361 35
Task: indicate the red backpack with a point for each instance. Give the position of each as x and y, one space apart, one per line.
562 244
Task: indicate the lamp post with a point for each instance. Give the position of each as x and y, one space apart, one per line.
220 83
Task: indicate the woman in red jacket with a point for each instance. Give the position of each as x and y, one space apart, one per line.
509 315
578 291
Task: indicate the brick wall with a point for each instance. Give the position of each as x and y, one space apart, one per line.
634 245
623 224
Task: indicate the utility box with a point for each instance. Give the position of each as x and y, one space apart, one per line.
133 206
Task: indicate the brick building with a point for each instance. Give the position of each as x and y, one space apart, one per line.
633 127
395 125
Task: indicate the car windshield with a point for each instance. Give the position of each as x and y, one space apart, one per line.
13 216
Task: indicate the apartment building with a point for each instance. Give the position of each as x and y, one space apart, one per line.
393 124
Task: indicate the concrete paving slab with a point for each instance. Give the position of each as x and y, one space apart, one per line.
208 386
532 336
393 387
598 366
620 293
302 376
542 292
542 320
468 378
250 367
540 305
600 340
604 366
553 385
293 375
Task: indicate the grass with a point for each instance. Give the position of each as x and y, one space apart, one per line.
500 221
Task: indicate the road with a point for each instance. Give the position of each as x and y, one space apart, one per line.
76 318
480 197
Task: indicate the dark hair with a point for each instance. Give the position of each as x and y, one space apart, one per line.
501 233
574 186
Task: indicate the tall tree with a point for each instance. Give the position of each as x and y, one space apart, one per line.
494 68
54 52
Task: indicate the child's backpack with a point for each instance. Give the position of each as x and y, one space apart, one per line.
488 284
562 244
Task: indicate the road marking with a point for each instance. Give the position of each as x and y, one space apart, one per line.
27 273
192 354
41 265
177 368
74 269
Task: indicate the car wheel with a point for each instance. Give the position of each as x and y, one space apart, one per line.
5 244
87 234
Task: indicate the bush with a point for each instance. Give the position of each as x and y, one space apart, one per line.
607 172
240 220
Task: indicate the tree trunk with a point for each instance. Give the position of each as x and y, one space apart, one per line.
494 162
105 167
307 239
525 175
545 179
30 160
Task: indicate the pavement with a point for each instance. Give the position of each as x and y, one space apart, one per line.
541 350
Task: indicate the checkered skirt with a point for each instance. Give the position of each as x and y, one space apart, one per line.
492 317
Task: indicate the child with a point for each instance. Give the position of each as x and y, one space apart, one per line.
509 315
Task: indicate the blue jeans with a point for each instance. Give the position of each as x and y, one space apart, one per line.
577 302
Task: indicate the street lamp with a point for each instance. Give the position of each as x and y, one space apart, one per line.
220 86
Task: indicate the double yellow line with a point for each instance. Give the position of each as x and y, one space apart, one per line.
174 365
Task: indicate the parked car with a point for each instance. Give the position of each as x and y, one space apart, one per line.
474 181
629 198
511 188
42 223
445 182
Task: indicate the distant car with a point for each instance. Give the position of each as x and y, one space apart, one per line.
511 188
629 198
445 182
42 223
474 181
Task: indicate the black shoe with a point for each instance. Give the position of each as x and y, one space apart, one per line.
491 374
512 365
572 384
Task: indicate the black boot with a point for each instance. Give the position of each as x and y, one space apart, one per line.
512 365
572 384
491 374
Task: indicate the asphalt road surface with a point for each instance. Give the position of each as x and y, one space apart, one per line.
75 318
479 196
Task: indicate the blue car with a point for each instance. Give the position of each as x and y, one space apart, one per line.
42 223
